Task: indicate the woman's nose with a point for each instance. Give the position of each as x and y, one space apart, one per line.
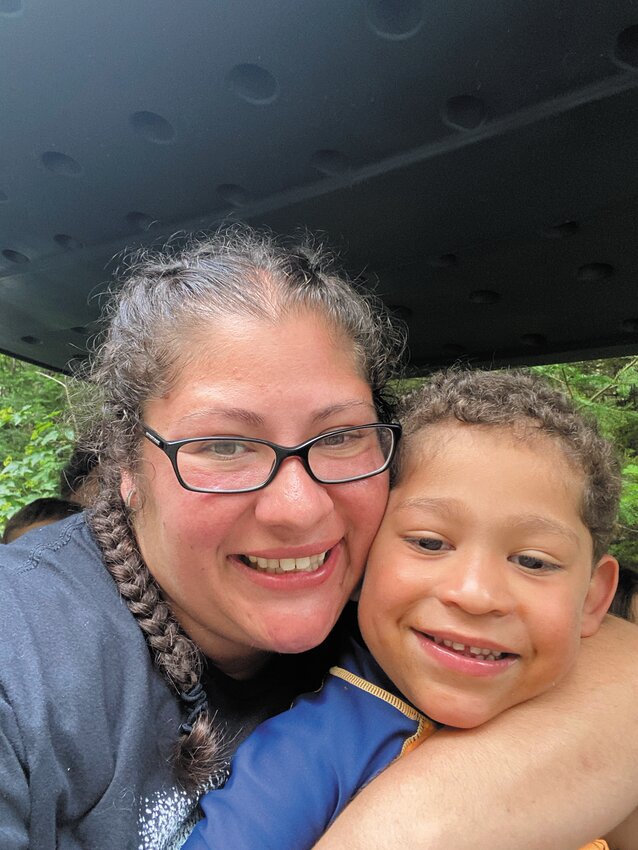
478 585
293 499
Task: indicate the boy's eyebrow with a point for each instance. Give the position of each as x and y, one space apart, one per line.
534 522
524 522
424 503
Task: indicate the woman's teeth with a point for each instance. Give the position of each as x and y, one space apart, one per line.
287 565
476 651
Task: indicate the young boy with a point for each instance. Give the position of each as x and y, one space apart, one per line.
488 569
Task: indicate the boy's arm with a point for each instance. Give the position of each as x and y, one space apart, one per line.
551 774
299 769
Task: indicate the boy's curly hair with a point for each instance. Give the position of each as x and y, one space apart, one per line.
521 400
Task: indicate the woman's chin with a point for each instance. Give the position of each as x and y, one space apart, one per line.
299 633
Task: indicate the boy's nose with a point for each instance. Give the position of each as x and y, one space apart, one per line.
478 585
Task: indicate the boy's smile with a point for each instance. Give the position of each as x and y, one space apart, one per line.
479 585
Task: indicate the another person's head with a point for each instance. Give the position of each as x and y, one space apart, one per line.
238 337
37 513
625 602
78 479
491 562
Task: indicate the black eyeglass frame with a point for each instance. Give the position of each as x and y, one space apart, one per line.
282 453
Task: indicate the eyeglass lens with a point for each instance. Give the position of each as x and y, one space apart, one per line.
228 464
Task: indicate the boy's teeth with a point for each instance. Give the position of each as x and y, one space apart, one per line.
476 651
307 564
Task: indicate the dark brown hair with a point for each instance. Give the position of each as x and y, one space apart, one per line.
152 327
39 510
626 592
520 400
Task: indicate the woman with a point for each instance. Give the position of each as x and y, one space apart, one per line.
243 448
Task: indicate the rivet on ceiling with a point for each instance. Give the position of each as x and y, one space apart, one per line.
465 112
69 243
253 84
152 127
592 272
60 163
626 51
15 256
395 19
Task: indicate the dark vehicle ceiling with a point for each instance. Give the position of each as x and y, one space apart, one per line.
479 161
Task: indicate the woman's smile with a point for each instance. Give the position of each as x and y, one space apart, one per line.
303 543
286 564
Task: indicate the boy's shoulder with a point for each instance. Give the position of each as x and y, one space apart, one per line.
357 668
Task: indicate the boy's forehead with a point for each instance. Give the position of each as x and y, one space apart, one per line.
430 440
449 455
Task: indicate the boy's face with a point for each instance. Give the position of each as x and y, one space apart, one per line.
479 585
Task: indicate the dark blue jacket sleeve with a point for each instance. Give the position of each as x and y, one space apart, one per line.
298 770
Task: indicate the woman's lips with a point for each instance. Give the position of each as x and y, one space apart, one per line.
305 568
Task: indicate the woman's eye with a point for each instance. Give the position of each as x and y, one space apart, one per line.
430 544
225 448
337 439
533 562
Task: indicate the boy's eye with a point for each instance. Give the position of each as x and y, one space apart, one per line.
533 562
430 544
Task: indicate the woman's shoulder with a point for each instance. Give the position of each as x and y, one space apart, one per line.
50 554
65 630
84 714
42 571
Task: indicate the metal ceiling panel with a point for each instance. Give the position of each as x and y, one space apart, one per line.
479 162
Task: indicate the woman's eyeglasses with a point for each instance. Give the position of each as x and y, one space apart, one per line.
238 465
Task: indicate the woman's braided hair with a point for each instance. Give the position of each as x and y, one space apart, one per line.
152 322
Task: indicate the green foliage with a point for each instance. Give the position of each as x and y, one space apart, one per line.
608 389
35 440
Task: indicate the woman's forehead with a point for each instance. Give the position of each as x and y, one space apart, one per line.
253 367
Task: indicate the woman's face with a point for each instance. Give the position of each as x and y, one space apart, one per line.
285 382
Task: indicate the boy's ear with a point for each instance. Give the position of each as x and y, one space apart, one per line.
600 594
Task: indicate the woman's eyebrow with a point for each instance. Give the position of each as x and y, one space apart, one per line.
249 417
342 406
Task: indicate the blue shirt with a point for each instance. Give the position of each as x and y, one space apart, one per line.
298 770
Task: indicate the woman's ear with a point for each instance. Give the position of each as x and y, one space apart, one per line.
600 594
127 486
